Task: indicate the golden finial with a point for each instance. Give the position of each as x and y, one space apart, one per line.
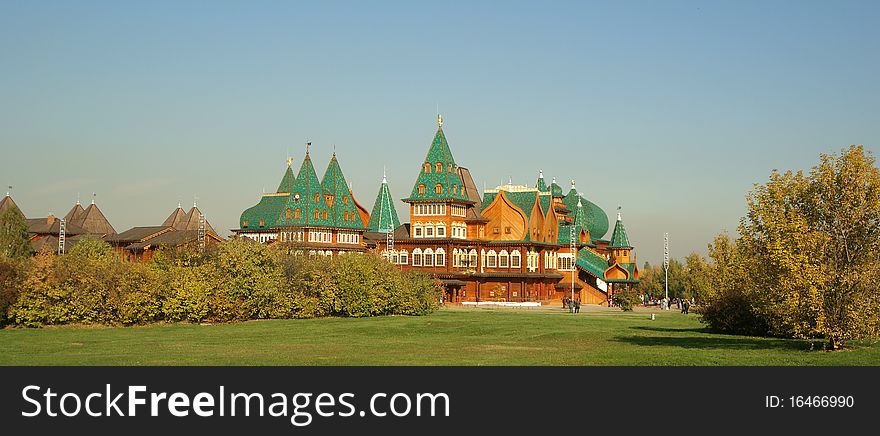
439 120
289 161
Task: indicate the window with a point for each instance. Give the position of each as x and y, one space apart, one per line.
503 259
324 214
440 257
344 200
454 189
344 215
417 257
297 213
566 262
427 168
316 213
491 259
429 232
441 231
417 232
450 168
317 197
438 167
244 223
456 261
483 256
404 258
288 213
262 222
422 188
507 230
515 259
438 189
429 258
473 258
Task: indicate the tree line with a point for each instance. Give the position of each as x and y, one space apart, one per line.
236 280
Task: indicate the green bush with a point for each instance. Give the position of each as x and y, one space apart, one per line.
626 300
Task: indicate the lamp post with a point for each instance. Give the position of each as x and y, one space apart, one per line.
666 263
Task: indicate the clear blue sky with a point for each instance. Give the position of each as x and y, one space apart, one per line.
671 109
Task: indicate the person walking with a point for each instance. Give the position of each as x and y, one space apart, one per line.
577 306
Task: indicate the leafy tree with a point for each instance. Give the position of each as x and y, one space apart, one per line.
14 234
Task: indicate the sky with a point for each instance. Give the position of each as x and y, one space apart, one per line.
671 110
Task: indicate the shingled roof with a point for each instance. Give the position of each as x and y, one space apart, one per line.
451 185
7 203
342 211
597 220
93 221
383 218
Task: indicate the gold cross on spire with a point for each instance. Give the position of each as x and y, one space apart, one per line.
439 120
289 161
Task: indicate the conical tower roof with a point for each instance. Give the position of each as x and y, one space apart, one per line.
384 216
192 221
308 197
94 222
541 185
581 218
177 219
450 183
76 214
6 203
619 239
342 210
289 179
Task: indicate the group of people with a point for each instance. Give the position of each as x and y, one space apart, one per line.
683 304
574 306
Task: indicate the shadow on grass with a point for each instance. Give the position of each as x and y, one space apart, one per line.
716 342
673 330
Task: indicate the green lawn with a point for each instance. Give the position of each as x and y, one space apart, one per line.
448 337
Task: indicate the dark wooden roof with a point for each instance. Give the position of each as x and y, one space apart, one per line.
137 234
7 203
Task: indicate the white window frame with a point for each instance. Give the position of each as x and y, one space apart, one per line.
417 257
515 257
440 257
428 257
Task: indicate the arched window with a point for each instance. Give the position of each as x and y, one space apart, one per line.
515 259
417 257
244 223
422 188
316 213
438 189
345 215
503 259
440 257
288 213
404 257
450 168
317 197
297 213
427 167
262 222
473 258
491 259
324 214
345 200
454 189
428 259
456 262
438 167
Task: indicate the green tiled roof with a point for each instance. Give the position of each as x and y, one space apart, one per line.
447 177
545 202
384 215
303 197
592 263
541 185
556 190
597 221
619 239
343 205
287 182
268 209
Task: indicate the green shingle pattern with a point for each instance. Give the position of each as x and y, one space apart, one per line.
334 184
307 185
556 190
287 182
439 152
592 263
384 216
268 209
541 185
619 239
597 221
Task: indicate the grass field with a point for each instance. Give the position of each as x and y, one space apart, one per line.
452 336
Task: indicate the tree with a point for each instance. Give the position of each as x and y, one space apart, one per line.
14 234
807 261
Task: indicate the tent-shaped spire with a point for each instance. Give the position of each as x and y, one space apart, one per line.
541 185
288 180
93 221
342 211
76 214
581 220
384 216
438 178
307 205
177 219
6 203
619 239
